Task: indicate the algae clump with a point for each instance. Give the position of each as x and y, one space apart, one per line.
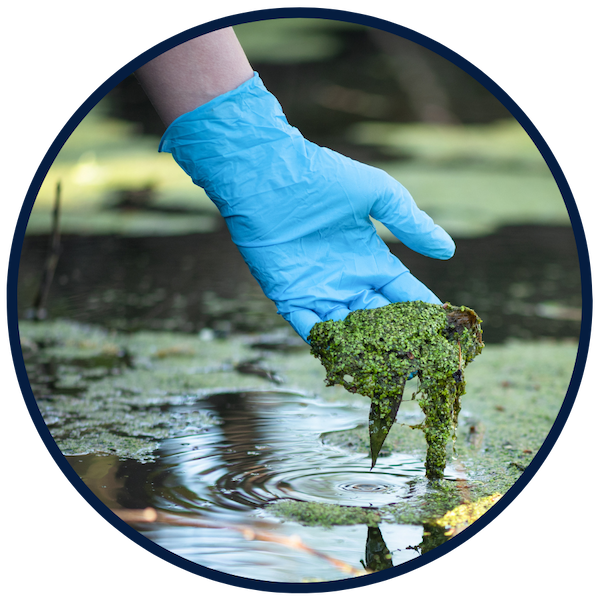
374 352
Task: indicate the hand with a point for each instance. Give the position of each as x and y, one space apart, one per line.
299 213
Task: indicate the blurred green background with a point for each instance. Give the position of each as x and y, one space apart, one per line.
363 92
144 247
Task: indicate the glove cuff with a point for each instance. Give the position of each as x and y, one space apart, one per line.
255 167
222 144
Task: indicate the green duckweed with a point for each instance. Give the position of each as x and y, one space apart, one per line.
374 352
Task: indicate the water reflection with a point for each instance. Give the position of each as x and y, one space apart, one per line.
267 448
377 554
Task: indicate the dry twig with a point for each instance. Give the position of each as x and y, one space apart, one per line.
39 304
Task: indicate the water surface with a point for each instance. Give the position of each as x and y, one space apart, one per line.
268 447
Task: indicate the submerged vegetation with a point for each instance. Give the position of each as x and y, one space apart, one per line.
374 352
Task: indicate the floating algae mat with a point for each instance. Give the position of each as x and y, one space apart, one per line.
374 352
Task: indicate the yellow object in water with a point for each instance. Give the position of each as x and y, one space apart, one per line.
462 516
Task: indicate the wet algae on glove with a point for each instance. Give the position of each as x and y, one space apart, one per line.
374 352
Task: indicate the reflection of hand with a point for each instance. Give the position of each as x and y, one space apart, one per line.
299 213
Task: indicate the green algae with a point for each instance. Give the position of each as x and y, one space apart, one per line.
514 395
108 393
121 394
374 352
323 514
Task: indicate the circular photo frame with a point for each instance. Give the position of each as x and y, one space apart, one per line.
180 403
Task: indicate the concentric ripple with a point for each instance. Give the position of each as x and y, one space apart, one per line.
350 489
268 447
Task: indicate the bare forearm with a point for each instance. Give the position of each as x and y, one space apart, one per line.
194 73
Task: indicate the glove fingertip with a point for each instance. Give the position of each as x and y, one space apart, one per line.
338 314
407 288
446 246
434 242
397 210
302 321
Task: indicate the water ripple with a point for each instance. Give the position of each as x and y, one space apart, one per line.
268 447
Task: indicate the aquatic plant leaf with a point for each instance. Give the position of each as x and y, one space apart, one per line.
374 351
381 418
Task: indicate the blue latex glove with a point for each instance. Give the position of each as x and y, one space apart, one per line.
299 213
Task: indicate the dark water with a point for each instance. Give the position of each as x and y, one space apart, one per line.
523 281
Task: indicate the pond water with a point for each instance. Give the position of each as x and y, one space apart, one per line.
268 447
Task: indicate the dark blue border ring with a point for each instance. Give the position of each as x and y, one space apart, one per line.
260 15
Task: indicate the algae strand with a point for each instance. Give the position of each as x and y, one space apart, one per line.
374 352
